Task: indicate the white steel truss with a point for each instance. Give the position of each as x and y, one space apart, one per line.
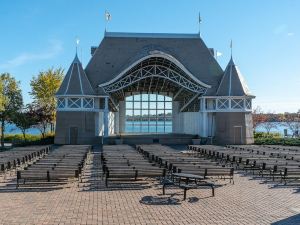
61 103
155 71
88 103
74 102
227 104
248 103
237 103
223 103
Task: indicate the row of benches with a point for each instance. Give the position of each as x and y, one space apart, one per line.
20 157
268 163
121 162
174 161
60 165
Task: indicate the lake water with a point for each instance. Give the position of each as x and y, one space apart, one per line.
12 129
135 127
279 129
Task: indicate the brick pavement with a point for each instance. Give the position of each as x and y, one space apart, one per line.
245 202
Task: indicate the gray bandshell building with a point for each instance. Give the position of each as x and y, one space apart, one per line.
153 83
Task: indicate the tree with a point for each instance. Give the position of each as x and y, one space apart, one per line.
24 120
10 99
44 87
292 122
258 117
270 122
42 116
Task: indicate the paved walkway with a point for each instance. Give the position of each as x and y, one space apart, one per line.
245 202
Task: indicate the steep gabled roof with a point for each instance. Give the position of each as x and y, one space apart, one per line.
75 81
233 83
117 51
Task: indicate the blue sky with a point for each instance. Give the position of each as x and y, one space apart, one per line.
37 35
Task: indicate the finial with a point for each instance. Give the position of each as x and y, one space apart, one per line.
107 19
231 46
199 21
77 43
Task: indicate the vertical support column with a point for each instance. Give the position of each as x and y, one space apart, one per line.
105 119
204 118
122 115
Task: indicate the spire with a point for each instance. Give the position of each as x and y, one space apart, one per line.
232 83
75 81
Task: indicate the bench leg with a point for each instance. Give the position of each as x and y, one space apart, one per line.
184 193
164 187
213 190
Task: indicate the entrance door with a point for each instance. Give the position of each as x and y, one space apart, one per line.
73 135
237 134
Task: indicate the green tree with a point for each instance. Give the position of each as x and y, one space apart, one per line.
24 120
43 89
11 100
42 116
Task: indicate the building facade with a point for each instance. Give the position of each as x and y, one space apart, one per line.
153 83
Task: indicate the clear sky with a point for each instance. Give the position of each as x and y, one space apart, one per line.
36 35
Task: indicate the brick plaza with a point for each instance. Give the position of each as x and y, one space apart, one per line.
248 201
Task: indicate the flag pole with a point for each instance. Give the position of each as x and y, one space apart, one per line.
199 21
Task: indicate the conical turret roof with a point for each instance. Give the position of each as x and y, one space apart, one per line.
233 83
75 81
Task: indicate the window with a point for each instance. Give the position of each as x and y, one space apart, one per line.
148 113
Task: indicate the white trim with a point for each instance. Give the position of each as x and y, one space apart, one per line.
79 110
243 96
189 102
229 110
69 78
151 35
81 96
230 80
79 77
156 54
159 71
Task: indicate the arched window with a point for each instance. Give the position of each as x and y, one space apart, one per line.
148 113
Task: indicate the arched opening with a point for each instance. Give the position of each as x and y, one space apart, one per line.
148 113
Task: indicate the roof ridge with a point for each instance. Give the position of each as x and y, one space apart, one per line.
151 35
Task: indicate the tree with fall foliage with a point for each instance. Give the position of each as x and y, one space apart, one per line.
44 87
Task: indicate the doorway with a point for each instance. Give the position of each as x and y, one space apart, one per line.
73 135
237 134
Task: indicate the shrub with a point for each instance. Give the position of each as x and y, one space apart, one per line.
18 140
277 141
266 135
